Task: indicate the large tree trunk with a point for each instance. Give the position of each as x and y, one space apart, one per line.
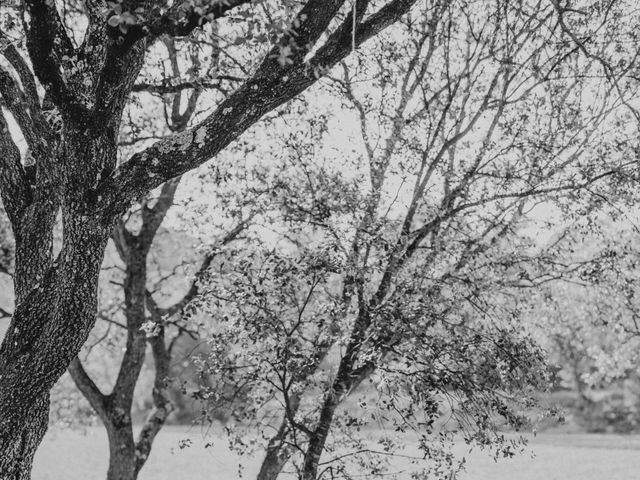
25 435
48 328
27 379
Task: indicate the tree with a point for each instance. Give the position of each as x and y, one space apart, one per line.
135 307
588 314
591 314
85 58
161 328
396 272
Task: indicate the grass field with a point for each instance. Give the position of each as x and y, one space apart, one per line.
73 455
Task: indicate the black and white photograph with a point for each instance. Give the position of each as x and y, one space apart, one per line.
319 240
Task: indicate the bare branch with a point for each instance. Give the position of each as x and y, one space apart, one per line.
179 121
27 79
606 66
153 217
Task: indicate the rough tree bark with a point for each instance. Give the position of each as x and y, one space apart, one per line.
75 173
126 455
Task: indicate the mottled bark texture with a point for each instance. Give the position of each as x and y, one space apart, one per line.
71 170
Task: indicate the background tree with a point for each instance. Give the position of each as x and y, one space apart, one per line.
135 308
589 315
604 33
70 113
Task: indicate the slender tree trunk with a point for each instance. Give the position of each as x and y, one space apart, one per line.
122 446
162 406
346 377
277 456
319 437
279 449
127 456
122 452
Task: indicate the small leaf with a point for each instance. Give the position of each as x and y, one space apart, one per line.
114 21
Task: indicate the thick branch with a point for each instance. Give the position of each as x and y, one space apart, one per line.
47 43
153 217
270 87
27 79
89 389
14 186
313 20
182 19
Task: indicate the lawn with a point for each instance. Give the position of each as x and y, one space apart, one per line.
73 455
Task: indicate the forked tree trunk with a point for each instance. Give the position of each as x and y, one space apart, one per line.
126 455
280 448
